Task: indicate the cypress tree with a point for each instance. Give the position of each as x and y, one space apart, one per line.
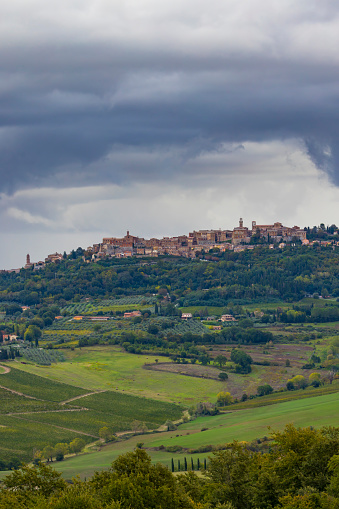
198 464
192 464
172 465
178 465
205 464
185 464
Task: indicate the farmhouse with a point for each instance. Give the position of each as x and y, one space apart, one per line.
186 316
132 314
227 318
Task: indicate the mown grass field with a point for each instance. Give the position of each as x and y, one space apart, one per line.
110 368
247 424
106 367
283 397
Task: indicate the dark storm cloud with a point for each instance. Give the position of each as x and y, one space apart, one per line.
98 95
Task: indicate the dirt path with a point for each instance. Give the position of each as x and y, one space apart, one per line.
82 409
6 369
19 393
78 397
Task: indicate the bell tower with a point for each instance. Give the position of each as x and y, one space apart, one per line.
241 223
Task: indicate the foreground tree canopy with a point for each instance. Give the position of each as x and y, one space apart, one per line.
300 471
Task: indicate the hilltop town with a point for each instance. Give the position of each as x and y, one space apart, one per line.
238 239
272 236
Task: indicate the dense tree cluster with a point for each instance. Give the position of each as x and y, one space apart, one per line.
301 470
239 277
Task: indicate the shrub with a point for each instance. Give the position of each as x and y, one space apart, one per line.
263 390
174 448
224 398
223 376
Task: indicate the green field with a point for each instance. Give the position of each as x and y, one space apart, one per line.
38 386
10 402
112 409
55 422
240 425
105 367
283 397
252 423
18 437
124 405
82 421
129 392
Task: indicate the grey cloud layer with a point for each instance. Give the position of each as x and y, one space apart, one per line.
99 91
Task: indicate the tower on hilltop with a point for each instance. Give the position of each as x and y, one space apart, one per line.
28 262
241 223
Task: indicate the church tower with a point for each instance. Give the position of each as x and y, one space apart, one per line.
28 262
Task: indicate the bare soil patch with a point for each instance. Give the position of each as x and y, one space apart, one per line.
298 354
195 370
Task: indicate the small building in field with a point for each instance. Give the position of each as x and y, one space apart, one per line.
186 316
132 314
227 318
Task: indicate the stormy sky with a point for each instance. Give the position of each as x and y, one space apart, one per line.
163 117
